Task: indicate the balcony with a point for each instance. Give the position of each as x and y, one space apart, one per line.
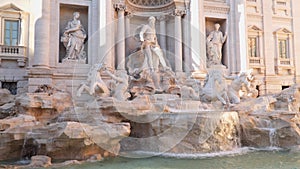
284 65
257 63
17 53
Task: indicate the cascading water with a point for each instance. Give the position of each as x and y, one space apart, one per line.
30 147
272 137
191 133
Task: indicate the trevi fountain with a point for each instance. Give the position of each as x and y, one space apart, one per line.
148 113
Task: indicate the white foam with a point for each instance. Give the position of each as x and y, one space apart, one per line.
238 151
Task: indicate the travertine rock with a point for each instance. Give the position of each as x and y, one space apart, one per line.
73 140
169 123
271 121
7 109
202 132
13 131
275 129
40 161
43 106
6 97
24 136
80 133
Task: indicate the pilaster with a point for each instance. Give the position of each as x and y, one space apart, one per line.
120 8
178 39
42 37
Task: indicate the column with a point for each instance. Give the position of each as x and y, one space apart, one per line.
23 29
127 31
109 26
277 58
120 7
163 36
198 42
260 45
242 56
178 40
268 39
42 37
187 42
295 37
290 49
163 32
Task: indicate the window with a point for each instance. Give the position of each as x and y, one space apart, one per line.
284 87
282 48
11 86
252 47
11 32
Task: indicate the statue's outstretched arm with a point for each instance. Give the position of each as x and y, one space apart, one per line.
229 77
118 79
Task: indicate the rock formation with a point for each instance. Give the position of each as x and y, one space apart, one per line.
48 124
271 121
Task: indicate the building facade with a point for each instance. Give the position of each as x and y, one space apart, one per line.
262 35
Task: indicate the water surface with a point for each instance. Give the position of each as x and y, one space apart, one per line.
249 160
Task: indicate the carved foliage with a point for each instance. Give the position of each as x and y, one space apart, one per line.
150 2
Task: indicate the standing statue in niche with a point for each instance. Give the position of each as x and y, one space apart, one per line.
215 41
150 56
73 40
150 47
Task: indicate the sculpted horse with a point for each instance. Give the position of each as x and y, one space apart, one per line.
243 79
215 88
94 80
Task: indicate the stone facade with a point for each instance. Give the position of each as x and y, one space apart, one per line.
262 35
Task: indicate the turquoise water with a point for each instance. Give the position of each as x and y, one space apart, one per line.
249 160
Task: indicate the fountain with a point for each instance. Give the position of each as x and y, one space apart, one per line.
147 108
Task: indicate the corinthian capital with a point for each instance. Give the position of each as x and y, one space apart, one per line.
119 5
179 12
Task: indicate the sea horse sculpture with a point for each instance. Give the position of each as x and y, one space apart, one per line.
243 79
94 80
215 88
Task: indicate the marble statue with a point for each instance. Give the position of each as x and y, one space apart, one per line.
243 79
215 88
215 41
141 83
150 56
191 89
188 93
94 80
152 51
121 80
168 81
73 40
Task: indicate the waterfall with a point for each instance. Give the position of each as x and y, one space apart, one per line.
272 137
